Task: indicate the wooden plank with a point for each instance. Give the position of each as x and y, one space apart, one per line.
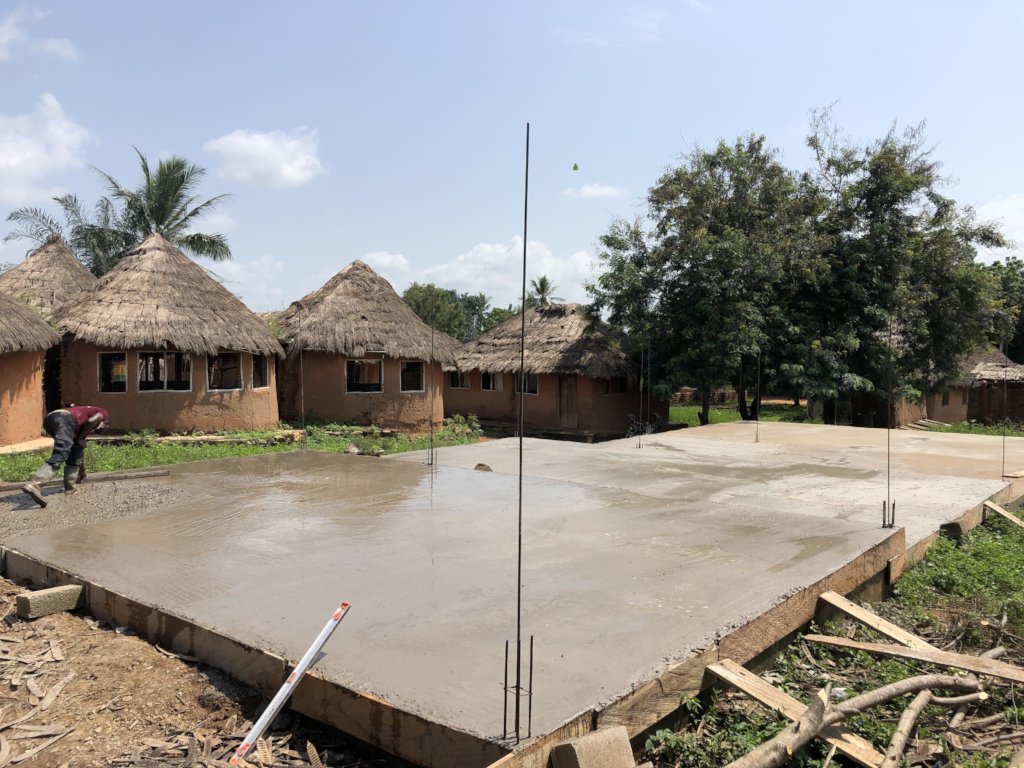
978 664
537 753
1003 513
850 744
134 474
657 698
778 622
866 617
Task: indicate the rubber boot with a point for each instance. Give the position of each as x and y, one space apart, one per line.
34 486
70 475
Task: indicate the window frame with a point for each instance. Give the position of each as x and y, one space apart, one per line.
266 372
164 354
496 378
528 376
209 370
616 385
401 377
945 398
99 373
379 362
464 379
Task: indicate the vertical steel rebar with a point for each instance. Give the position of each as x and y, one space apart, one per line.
504 698
522 391
529 694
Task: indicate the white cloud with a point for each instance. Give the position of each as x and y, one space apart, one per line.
1008 212
384 262
14 39
257 282
33 146
496 269
268 158
220 222
590 191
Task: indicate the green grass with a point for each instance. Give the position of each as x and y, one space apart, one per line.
720 414
956 597
145 451
1013 429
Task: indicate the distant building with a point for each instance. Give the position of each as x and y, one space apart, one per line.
578 377
24 339
357 354
162 345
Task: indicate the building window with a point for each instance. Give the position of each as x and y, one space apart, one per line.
412 376
224 371
260 380
490 381
113 371
364 376
963 396
458 380
945 398
615 386
531 382
165 371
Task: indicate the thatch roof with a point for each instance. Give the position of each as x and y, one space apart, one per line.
22 329
48 278
357 312
157 297
559 339
990 365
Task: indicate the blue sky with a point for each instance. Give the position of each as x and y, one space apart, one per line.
394 132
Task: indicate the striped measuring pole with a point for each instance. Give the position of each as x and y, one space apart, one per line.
288 687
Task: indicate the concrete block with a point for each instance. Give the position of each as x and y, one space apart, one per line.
42 602
607 748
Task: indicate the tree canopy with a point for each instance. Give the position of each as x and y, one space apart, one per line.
461 315
164 202
855 275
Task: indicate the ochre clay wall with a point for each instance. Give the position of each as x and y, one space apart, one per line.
169 411
955 411
540 410
597 411
313 387
21 396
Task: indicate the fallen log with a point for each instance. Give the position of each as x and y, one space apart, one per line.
894 754
776 752
135 474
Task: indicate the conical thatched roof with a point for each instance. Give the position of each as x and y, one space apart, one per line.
48 278
356 312
559 339
990 365
157 297
22 329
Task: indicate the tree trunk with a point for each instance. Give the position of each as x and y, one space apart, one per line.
756 406
741 394
705 407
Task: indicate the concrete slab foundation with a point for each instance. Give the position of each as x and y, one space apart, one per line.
639 565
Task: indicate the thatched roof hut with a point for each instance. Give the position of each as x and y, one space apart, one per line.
48 278
22 329
357 312
990 365
157 297
560 339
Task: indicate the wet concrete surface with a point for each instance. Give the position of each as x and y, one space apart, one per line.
632 557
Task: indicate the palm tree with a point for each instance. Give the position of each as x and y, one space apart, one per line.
542 293
163 203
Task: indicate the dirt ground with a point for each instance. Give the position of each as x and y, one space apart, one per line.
75 692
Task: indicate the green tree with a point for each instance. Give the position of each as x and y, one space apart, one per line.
903 301
439 308
1009 321
164 202
497 316
542 293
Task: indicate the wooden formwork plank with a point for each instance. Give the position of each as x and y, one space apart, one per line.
778 622
537 753
850 744
657 698
1003 513
977 664
866 617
